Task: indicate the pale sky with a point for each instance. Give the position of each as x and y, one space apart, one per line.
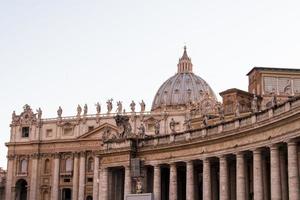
68 52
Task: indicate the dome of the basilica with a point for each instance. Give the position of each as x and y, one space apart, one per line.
182 88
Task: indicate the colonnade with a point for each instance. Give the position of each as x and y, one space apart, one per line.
263 186
275 176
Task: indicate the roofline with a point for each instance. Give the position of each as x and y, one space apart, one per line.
272 69
231 90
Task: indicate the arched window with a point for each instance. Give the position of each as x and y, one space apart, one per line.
90 164
47 166
69 165
23 166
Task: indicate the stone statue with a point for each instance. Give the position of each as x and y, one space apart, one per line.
85 109
59 112
274 99
139 185
98 108
119 107
205 120
124 126
237 109
188 124
157 127
254 106
221 111
39 113
14 116
109 105
79 110
172 125
132 106
288 87
143 106
142 130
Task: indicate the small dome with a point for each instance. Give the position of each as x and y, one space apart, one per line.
182 88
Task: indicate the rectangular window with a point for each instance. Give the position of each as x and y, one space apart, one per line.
25 131
67 180
68 131
91 128
49 133
90 180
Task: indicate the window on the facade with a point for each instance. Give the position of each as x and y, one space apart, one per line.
90 180
47 166
69 165
49 133
91 128
90 164
23 166
25 131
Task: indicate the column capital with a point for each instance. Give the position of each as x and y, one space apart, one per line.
274 146
82 154
257 151
190 162
239 154
291 142
206 160
56 155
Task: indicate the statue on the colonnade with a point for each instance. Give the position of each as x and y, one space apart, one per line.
143 106
59 112
85 109
119 107
132 106
98 108
39 113
254 105
79 110
109 105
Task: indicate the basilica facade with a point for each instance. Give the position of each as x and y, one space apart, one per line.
188 146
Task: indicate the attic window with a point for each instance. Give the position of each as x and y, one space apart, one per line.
25 131
91 128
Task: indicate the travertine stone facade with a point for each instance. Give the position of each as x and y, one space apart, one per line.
186 148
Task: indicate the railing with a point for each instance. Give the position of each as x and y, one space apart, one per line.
220 128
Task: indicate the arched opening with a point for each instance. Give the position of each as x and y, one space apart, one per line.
89 198
46 195
21 190
66 194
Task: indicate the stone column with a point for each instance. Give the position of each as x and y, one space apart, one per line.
81 176
275 173
190 181
173 182
240 177
157 183
257 175
96 178
55 177
127 181
103 187
206 179
75 177
224 180
10 172
283 175
33 177
293 171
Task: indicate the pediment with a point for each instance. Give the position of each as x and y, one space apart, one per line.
98 132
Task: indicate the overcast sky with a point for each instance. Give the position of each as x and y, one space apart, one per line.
63 53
